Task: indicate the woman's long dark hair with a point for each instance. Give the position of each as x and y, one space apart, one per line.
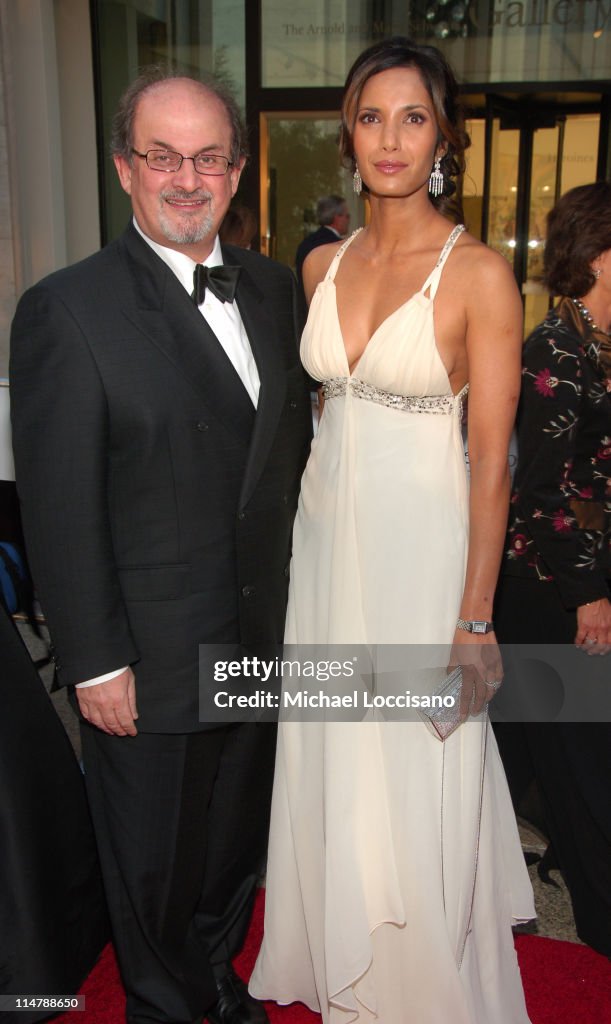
578 230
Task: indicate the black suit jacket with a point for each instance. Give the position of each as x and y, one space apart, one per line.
157 505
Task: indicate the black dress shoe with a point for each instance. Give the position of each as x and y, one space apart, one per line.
235 1005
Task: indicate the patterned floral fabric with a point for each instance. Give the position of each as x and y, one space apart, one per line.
560 513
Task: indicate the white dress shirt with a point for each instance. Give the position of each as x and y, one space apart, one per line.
222 317
225 321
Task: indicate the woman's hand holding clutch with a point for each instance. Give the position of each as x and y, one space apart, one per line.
479 657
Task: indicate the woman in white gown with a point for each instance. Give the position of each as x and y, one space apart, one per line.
395 870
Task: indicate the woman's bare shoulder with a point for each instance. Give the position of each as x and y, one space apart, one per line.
318 261
485 267
489 293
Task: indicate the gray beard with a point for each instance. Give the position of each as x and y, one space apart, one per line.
191 232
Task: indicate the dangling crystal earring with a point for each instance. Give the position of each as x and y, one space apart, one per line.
436 179
357 182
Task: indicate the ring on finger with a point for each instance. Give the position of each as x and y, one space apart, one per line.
494 683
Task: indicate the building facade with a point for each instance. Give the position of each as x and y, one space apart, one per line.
536 77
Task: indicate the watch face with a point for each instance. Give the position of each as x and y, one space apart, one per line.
480 627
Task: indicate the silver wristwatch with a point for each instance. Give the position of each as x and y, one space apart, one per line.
475 626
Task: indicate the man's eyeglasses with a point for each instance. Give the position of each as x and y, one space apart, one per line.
170 162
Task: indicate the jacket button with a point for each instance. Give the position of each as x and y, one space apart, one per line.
285 499
242 514
287 571
202 426
293 404
248 591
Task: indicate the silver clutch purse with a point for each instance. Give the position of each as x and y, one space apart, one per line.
444 717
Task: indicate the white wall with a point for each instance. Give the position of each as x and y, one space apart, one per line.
78 128
7 270
7 469
51 191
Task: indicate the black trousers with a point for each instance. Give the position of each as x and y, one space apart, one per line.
570 762
181 823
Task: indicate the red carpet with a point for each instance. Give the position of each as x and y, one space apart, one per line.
564 983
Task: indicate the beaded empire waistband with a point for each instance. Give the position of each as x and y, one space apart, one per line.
443 405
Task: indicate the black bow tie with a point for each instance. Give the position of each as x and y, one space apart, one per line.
222 282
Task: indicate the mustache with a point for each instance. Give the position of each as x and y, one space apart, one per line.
197 193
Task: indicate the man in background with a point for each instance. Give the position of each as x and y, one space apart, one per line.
333 217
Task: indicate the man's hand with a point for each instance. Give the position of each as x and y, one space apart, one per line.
111 706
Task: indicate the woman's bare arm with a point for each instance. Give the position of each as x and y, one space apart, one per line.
493 343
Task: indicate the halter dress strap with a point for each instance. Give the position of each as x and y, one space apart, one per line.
332 271
434 277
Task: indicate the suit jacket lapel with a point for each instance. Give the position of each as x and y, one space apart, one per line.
165 313
260 326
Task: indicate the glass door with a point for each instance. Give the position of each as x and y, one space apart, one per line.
544 187
533 155
501 186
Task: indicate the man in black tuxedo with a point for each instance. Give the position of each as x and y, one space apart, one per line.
333 217
161 423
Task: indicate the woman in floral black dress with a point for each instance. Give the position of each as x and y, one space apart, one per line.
555 584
